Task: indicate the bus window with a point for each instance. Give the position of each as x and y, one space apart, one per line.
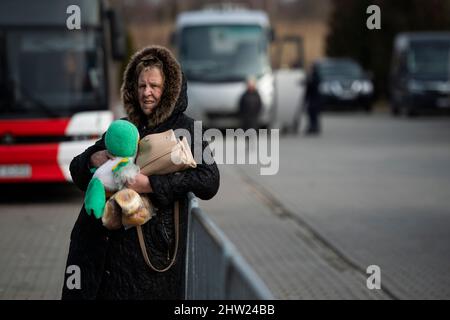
57 69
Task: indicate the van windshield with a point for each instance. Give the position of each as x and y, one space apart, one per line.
340 69
51 72
223 53
429 59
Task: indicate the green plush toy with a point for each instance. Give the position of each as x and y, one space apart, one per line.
121 141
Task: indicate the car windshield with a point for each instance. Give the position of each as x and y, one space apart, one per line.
223 53
52 72
429 59
331 70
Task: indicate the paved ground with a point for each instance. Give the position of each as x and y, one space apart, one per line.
371 190
375 189
35 224
291 258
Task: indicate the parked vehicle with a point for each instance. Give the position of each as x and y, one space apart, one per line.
219 49
54 84
342 83
420 73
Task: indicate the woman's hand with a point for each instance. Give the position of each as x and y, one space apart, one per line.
100 157
141 184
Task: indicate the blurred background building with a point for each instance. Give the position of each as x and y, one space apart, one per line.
335 28
152 21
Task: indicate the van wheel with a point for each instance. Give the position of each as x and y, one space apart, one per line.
411 113
274 124
395 110
368 109
295 126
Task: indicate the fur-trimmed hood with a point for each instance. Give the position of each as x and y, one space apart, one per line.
174 98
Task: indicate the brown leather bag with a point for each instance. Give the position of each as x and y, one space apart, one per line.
163 153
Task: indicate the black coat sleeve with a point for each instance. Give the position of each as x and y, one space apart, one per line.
203 181
79 166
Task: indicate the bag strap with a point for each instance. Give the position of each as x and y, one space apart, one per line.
176 219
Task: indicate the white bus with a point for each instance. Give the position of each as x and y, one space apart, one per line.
219 49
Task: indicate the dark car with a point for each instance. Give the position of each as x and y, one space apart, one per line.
342 83
419 79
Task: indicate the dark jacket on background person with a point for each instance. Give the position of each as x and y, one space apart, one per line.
313 103
249 109
111 262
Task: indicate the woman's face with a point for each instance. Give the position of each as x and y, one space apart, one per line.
150 89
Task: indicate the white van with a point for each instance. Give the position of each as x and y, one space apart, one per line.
219 49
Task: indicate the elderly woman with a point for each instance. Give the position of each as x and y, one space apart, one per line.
111 263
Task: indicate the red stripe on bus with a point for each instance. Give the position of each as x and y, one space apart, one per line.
34 127
42 158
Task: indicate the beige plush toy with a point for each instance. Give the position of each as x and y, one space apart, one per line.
126 208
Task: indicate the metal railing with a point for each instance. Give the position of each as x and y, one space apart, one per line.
214 267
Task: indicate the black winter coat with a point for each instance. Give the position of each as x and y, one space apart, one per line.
111 263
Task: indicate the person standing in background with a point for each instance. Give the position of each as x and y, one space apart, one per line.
250 106
312 100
